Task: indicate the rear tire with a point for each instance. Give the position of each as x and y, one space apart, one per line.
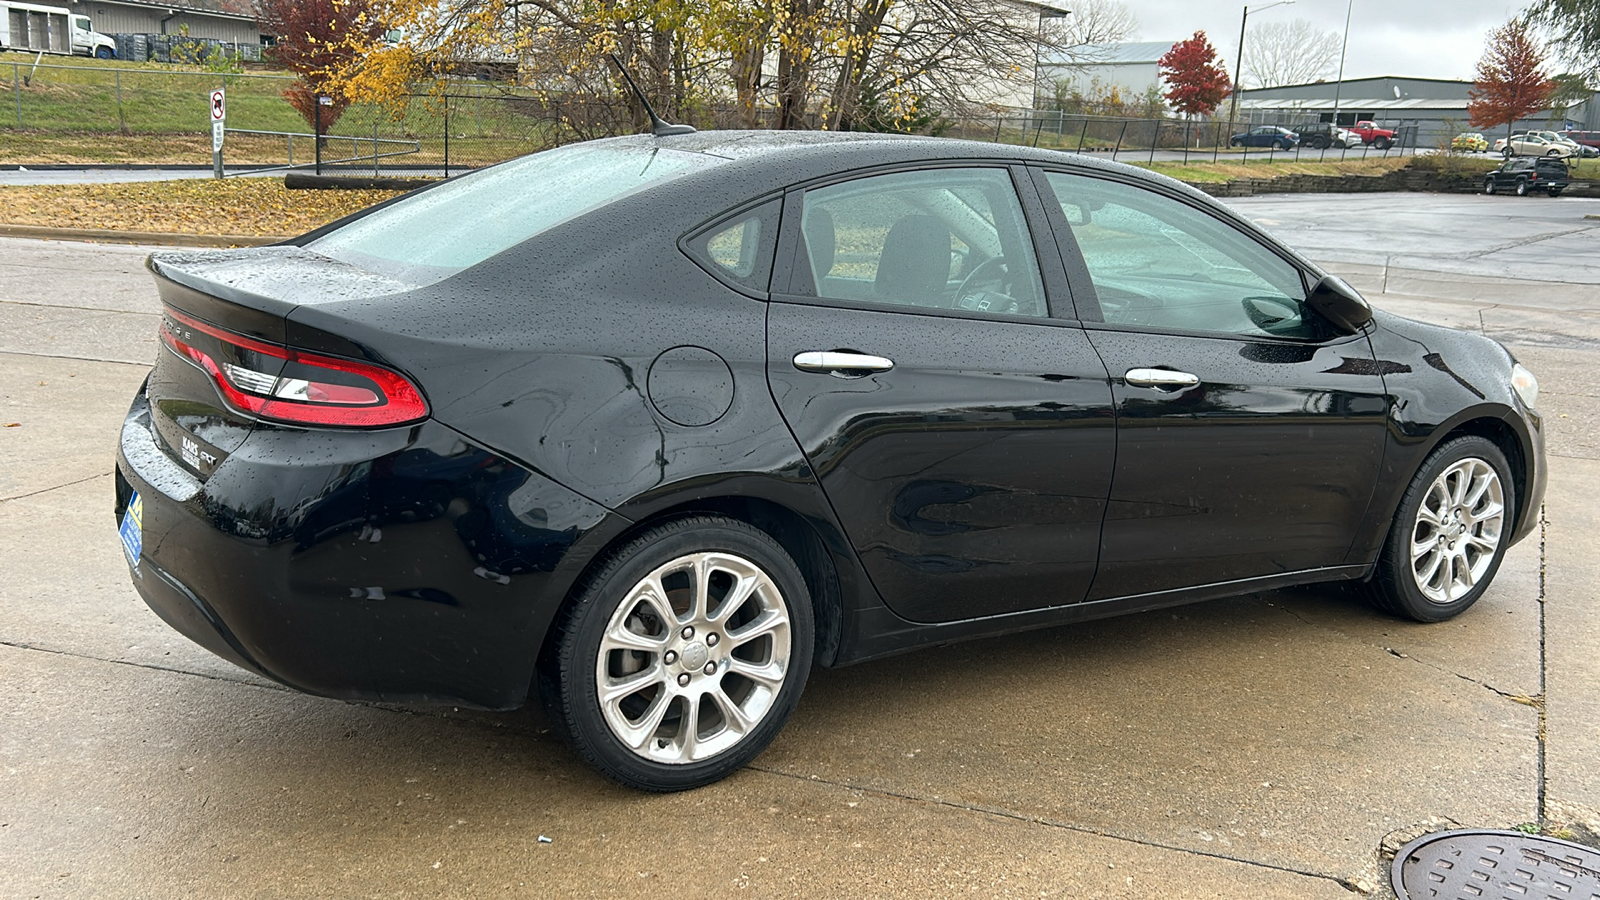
1449 534
1522 187
682 657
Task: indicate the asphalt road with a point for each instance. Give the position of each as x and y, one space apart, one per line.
1265 746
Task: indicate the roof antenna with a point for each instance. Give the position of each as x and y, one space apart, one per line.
658 126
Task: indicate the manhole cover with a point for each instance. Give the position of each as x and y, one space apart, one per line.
1495 865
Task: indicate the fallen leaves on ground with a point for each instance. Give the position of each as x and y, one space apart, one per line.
258 207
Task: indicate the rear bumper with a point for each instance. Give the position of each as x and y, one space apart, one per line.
407 564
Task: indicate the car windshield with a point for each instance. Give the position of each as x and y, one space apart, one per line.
440 231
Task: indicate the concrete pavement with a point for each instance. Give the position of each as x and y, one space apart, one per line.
1258 747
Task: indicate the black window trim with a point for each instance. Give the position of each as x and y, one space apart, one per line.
686 240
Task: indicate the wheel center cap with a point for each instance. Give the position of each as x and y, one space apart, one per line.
695 655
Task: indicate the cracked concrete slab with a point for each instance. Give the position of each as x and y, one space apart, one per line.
68 414
166 785
83 276
1572 636
1231 727
78 333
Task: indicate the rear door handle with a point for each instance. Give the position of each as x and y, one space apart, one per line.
1161 379
841 363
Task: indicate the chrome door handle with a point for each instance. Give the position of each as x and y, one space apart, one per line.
840 363
1161 379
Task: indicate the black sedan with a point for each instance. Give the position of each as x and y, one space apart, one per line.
653 424
1266 136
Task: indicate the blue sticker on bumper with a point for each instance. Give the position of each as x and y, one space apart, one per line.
132 529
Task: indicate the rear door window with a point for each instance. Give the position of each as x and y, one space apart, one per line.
941 239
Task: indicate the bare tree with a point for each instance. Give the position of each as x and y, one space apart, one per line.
1294 52
1094 23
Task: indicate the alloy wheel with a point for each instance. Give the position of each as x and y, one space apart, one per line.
1457 530
694 657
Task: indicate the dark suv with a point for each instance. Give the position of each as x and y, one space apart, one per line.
1523 174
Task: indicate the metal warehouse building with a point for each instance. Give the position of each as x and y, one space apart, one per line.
1436 108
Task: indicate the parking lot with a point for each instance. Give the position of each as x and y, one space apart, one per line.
1265 746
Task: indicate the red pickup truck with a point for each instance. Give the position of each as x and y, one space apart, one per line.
1382 138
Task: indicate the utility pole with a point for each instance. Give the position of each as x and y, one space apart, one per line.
1238 65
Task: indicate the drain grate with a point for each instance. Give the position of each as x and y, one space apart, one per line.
1495 865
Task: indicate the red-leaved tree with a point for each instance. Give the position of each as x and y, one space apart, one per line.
1511 81
1196 84
319 40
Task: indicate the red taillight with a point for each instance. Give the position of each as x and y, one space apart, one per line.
310 389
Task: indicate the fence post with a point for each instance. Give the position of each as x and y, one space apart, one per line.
998 120
1186 140
374 148
122 125
16 85
1155 137
1083 134
1118 148
447 135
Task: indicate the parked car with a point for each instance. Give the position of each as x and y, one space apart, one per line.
1381 138
1325 135
1524 174
1469 142
1590 139
1266 136
652 424
1533 144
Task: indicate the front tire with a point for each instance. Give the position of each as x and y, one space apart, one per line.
682 657
1488 185
1383 143
1449 534
102 53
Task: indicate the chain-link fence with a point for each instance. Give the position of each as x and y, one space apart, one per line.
88 113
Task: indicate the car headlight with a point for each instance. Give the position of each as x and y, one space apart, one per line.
1526 386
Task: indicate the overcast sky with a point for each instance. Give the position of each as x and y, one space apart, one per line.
1417 38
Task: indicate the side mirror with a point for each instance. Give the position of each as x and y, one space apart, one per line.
1339 303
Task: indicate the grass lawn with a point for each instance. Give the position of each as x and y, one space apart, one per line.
237 206
1219 172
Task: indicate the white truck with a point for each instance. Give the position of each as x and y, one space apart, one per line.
51 29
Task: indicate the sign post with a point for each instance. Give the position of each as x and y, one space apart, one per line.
219 119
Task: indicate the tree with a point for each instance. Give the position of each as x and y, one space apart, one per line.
1511 82
1196 84
1294 52
320 41
804 63
1574 28
1094 23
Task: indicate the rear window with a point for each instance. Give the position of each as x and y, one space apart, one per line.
445 229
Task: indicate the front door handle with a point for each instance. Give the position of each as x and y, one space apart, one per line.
842 363
1161 379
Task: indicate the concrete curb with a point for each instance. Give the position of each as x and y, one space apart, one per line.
103 235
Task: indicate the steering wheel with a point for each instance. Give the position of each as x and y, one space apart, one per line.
1270 321
988 268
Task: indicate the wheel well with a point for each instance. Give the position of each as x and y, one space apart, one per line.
1501 434
798 538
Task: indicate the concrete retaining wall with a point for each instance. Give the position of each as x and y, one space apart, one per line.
1399 180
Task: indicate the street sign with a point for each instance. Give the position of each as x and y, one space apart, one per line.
217 131
219 106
